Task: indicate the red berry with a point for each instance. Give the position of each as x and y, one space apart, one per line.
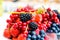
21 37
39 22
24 24
22 9
48 25
43 15
49 9
14 16
37 31
29 7
18 10
54 14
25 32
33 18
25 35
9 21
20 27
20 23
14 32
41 27
7 33
26 9
9 25
57 20
24 28
14 39
18 20
38 17
15 25
45 19
28 22
38 25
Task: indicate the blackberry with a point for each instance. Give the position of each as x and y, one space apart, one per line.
32 25
56 11
58 16
25 17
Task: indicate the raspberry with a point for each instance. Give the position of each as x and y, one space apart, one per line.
21 37
14 32
14 38
7 33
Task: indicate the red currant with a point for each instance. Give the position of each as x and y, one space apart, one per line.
15 25
18 10
24 24
9 21
28 22
24 28
20 23
48 9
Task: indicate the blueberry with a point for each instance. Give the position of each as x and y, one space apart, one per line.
56 11
43 35
58 25
55 31
49 31
38 36
33 37
41 32
53 28
57 28
41 38
37 39
28 38
53 24
32 32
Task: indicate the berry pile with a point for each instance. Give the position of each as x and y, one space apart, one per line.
54 28
32 24
33 36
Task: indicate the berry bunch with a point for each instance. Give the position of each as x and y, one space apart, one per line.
33 36
31 24
54 28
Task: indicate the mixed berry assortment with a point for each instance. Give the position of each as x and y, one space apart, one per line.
30 24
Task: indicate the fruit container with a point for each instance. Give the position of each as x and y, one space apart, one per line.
27 23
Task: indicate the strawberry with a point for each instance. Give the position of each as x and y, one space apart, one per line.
7 33
14 38
38 18
14 32
18 20
8 26
21 37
